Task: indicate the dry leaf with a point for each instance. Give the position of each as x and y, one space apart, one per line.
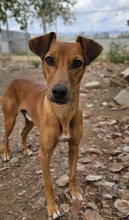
76 206
115 167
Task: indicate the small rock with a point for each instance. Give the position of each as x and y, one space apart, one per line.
90 105
123 207
92 205
41 201
14 160
116 151
52 170
50 218
125 175
105 104
102 123
123 157
86 114
124 194
22 193
65 207
112 122
95 151
125 74
92 85
38 172
116 178
92 215
107 196
105 183
63 180
92 178
86 160
122 98
109 69
24 218
126 148
99 165
117 81
80 167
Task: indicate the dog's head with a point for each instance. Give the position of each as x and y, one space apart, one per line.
64 63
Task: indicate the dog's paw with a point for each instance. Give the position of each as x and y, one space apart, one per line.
5 154
6 158
28 152
53 211
77 194
78 197
56 215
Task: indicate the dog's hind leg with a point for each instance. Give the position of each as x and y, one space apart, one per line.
28 126
10 114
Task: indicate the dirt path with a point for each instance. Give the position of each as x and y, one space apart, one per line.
104 155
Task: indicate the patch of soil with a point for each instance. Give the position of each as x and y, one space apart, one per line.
105 136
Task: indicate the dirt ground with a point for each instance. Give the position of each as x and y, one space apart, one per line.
103 165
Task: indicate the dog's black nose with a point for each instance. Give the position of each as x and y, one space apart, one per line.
59 91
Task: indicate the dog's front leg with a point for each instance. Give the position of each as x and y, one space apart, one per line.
73 158
76 130
45 154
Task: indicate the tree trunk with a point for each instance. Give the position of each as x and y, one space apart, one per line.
44 24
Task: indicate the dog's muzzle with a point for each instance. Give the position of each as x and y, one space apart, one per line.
59 94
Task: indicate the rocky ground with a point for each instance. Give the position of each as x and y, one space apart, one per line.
103 165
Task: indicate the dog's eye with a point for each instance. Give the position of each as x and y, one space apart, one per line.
49 60
77 64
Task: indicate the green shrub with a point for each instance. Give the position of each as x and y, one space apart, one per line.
36 63
118 53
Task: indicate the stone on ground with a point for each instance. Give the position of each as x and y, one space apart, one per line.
122 98
92 85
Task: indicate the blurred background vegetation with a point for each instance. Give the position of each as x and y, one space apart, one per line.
47 12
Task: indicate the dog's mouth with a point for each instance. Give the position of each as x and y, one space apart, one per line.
58 101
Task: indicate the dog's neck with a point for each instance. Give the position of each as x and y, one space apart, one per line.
64 114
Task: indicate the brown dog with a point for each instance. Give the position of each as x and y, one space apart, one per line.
55 110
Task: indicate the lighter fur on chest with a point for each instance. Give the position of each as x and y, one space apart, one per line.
65 116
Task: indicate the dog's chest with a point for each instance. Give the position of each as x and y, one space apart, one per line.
64 138
66 131
64 118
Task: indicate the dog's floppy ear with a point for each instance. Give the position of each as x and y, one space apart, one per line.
91 48
40 45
